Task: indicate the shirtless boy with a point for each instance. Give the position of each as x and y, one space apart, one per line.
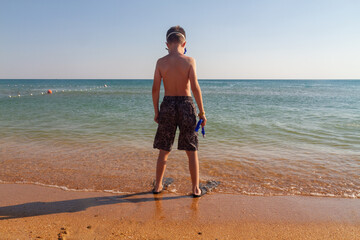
178 73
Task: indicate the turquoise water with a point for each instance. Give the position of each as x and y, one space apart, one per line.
263 136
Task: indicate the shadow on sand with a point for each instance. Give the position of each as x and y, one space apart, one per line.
76 205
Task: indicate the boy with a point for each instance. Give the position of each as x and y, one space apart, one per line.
178 73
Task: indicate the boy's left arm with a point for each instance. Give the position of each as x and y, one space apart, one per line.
156 91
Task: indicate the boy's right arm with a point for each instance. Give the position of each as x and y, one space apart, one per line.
195 88
156 91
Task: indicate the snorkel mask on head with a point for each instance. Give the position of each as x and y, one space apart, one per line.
182 35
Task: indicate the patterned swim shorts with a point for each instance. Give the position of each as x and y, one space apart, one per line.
177 111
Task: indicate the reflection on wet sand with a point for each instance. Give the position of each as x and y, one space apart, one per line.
192 209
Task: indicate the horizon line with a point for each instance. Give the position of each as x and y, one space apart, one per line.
198 79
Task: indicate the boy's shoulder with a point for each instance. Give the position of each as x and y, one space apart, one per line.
165 58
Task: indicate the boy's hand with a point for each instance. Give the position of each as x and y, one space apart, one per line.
156 118
204 120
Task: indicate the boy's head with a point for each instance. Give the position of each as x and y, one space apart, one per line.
176 35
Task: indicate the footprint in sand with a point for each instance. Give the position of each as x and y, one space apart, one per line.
63 233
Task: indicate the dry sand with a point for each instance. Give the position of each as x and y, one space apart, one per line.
37 212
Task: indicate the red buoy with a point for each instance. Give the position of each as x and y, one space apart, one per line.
49 91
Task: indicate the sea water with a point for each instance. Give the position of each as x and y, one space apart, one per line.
263 137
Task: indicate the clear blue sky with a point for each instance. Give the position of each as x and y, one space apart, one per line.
308 39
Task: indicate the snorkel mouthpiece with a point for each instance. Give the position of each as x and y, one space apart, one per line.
198 127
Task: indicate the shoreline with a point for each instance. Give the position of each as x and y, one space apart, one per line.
39 212
83 169
174 192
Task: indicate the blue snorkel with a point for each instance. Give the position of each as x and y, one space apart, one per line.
184 50
198 127
203 131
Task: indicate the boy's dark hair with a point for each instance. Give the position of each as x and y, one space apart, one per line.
176 35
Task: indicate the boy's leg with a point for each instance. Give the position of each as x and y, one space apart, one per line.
194 171
160 169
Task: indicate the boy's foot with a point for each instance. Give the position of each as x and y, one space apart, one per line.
157 191
166 183
208 187
203 191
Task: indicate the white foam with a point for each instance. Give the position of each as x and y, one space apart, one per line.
63 187
353 195
252 193
113 191
322 194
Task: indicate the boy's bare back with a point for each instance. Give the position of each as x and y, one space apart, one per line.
177 72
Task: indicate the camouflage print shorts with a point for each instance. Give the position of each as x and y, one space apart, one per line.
177 111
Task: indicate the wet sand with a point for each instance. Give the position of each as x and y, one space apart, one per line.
37 212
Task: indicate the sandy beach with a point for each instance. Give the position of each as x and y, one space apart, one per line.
38 212
100 102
